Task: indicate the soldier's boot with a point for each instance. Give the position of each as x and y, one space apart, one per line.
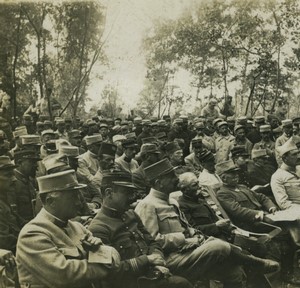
242 257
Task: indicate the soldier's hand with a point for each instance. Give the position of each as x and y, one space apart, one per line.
273 210
91 242
164 270
7 259
223 223
156 259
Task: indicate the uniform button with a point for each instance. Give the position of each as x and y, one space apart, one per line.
133 233
127 227
121 246
136 242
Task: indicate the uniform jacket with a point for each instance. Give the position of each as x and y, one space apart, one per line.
193 162
126 233
25 195
10 226
50 254
123 165
90 174
199 214
279 142
285 184
161 217
223 145
243 204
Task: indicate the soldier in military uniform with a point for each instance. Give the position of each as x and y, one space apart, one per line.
55 252
142 259
10 223
25 192
287 127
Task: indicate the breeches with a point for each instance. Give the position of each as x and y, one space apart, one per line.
208 261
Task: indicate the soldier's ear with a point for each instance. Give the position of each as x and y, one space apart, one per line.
108 192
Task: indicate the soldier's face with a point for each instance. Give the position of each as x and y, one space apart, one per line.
240 134
30 166
177 157
223 130
292 158
7 179
107 162
124 197
265 136
231 178
68 204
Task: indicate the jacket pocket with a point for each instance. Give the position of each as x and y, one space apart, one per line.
169 222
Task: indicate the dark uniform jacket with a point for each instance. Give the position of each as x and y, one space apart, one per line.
199 215
242 204
25 194
126 233
10 226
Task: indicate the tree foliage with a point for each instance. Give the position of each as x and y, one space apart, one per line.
252 46
48 51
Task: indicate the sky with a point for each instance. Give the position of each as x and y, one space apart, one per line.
127 23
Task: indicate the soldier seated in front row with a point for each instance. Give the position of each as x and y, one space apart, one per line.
55 252
142 259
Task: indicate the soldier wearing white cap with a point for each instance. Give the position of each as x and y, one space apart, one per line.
61 129
19 131
285 182
223 142
287 127
89 170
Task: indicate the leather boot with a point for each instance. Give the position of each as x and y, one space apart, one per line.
263 266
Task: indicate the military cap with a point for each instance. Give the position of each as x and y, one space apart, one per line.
222 123
75 133
161 123
54 161
110 121
39 124
26 154
238 127
31 140
231 119
226 166
68 120
216 121
118 119
178 121
47 122
60 121
137 120
116 129
19 131
184 117
95 118
69 151
103 125
241 120
258 153
118 178
48 131
287 147
259 119
197 142
42 118
250 123
264 128
131 135
118 137
149 148
90 122
206 156
61 181
172 147
161 135
287 122
199 125
93 139
146 122
107 149
238 151
149 140
158 169
5 163
129 143
153 118
27 117
154 124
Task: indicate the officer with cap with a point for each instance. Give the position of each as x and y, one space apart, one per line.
266 141
240 138
192 160
147 131
126 162
55 252
19 131
149 155
143 264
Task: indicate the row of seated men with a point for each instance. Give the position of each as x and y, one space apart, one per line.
104 160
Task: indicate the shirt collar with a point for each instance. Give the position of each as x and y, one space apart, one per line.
159 194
